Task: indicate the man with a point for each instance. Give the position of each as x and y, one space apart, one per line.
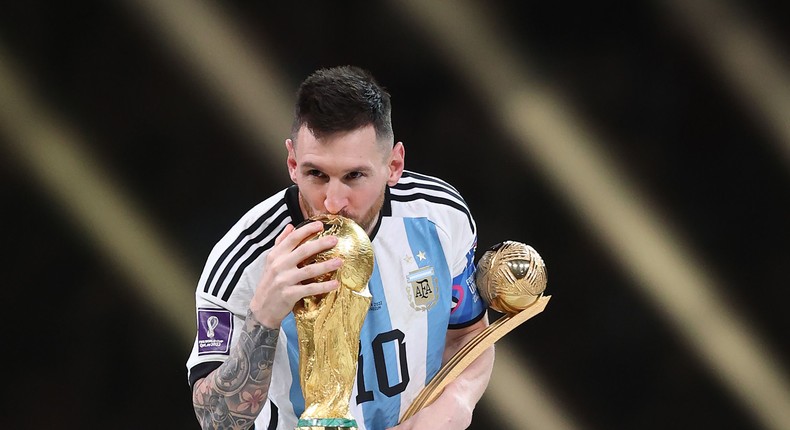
343 160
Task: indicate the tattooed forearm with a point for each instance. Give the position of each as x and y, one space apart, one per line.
234 394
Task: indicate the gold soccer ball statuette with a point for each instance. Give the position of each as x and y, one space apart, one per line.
510 277
353 246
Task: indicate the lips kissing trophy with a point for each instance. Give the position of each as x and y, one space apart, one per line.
511 278
328 327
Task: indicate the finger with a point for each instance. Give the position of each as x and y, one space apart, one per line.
313 247
303 232
316 288
286 231
314 270
292 236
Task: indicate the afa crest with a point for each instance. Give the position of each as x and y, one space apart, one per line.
421 285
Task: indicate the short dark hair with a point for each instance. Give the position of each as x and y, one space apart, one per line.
343 98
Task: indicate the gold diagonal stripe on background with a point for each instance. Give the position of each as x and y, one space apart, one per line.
556 141
83 191
245 81
752 64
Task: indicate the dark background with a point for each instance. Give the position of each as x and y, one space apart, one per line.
88 351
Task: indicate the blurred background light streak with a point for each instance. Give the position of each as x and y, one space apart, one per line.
55 157
558 143
519 387
755 67
246 81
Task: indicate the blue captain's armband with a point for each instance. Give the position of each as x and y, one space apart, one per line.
467 304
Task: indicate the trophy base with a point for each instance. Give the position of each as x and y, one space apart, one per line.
326 424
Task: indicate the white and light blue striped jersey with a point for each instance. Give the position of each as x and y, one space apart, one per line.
422 284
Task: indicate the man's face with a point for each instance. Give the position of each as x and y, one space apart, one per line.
345 173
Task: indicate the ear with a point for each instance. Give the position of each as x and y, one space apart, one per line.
291 160
396 163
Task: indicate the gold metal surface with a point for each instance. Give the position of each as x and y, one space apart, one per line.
510 277
328 327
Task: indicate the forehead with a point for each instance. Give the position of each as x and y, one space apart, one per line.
358 146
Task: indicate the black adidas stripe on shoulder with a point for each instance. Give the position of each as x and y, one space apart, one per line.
450 189
240 246
416 191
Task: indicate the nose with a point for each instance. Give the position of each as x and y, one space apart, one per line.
336 198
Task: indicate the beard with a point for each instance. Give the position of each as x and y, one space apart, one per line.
366 220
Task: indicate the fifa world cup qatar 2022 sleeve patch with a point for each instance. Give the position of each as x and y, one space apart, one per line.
214 330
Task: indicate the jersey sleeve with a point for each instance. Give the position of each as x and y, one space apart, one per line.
227 284
218 330
468 307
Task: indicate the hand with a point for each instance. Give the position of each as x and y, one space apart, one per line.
447 412
280 286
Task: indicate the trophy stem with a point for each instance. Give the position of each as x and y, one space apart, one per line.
469 352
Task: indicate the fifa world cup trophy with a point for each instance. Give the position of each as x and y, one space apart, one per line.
511 278
328 327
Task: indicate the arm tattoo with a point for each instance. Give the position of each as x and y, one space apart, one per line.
232 396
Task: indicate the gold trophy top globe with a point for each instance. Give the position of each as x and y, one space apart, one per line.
510 277
353 246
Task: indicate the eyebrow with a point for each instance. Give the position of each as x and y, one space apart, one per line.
310 166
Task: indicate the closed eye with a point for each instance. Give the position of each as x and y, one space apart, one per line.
315 173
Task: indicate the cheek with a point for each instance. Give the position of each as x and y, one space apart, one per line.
311 199
366 197
369 202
